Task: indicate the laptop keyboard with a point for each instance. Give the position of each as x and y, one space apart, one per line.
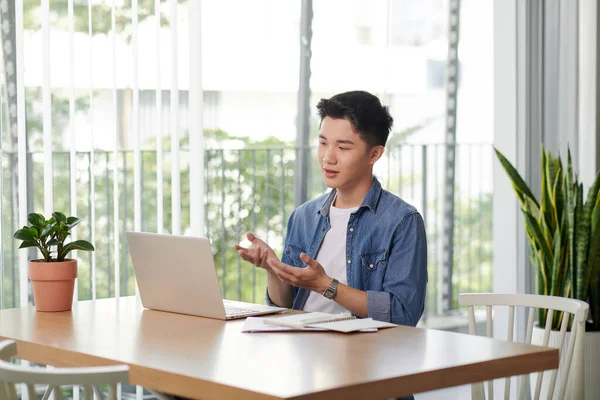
233 311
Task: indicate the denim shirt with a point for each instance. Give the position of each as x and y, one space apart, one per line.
386 252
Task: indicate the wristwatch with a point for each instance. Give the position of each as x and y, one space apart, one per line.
331 290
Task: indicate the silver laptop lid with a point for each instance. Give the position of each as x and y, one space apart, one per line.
176 273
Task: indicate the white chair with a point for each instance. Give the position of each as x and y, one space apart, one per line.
89 378
574 356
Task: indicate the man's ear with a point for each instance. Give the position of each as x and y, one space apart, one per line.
375 154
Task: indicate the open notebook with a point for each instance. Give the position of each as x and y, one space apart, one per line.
333 322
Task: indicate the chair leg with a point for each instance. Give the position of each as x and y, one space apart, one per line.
477 391
47 393
159 395
57 393
97 392
88 392
8 391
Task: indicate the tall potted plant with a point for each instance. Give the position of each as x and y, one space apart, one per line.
53 276
564 243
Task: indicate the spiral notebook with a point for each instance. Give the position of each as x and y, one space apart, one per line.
334 322
307 319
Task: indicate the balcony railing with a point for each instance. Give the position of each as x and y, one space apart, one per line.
249 189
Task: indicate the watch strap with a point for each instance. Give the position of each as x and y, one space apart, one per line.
331 290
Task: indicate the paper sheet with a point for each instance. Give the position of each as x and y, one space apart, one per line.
256 324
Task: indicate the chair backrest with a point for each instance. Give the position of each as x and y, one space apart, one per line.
574 355
89 378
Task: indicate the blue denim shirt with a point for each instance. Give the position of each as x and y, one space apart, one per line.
386 252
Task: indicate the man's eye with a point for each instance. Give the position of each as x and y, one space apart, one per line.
322 143
343 148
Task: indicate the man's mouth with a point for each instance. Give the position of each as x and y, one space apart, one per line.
329 173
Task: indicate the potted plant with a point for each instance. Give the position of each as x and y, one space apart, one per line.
53 276
564 243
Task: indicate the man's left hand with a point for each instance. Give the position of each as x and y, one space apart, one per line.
313 277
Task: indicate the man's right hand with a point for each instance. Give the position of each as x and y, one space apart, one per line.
280 293
258 254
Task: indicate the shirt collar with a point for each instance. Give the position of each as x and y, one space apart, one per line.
370 201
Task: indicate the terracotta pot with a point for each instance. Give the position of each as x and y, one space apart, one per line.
53 284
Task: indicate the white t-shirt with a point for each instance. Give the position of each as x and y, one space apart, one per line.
332 256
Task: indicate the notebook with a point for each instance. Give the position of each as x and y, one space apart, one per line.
305 320
353 325
256 324
333 322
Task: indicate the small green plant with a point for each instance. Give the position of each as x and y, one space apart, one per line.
45 234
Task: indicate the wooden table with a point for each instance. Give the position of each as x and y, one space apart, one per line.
210 359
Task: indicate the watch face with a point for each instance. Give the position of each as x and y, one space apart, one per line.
331 290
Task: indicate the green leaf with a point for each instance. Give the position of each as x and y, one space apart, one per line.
76 245
565 270
518 183
48 230
593 259
555 263
590 202
587 241
534 258
536 235
24 234
582 239
34 231
547 182
52 242
543 274
73 223
59 217
28 243
36 220
571 195
557 195
595 278
560 266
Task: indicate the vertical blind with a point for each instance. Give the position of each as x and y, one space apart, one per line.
80 147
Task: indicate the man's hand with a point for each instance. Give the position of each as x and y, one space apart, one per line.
313 277
258 254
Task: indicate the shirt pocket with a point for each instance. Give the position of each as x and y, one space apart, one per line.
374 260
293 253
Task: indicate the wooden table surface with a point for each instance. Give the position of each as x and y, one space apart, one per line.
211 359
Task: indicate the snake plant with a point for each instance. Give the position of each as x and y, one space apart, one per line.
563 232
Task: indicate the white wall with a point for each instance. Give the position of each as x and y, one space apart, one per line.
589 104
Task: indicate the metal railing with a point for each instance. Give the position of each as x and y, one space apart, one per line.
250 189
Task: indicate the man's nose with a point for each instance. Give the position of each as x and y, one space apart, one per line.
329 157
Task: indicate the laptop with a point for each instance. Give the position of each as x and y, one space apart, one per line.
177 274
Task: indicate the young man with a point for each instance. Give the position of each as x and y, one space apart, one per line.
357 248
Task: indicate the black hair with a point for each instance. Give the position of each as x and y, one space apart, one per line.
369 118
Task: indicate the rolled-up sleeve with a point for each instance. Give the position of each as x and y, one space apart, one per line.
402 300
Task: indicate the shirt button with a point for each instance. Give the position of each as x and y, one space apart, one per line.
351 229
322 229
349 261
371 266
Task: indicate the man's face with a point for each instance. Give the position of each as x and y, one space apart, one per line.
343 155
